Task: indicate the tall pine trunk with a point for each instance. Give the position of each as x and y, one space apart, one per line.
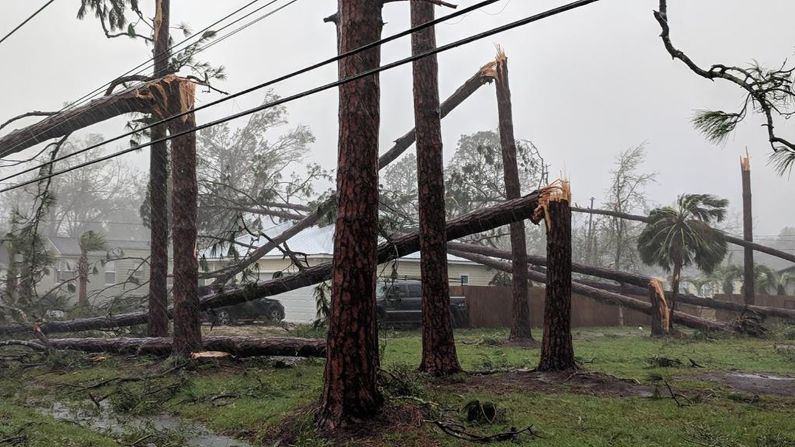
748 233
438 345
157 325
187 326
350 389
520 327
557 351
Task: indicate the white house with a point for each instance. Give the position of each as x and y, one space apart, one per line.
315 245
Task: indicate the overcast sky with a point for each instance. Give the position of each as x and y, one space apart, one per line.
586 85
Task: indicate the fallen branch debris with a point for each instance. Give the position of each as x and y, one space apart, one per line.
239 346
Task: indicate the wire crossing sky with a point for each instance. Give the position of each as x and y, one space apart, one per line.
18 27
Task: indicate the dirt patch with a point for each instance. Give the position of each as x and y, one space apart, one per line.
754 383
580 382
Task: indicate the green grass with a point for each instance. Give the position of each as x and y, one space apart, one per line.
251 399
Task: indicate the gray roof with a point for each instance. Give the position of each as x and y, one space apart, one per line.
70 246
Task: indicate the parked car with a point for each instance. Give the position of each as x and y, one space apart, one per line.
400 303
261 309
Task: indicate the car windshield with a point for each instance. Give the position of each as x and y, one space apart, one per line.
381 290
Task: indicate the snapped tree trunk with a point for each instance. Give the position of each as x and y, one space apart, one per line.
483 76
748 233
660 316
350 388
157 326
82 279
471 223
438 345
557 351
187 325
520 327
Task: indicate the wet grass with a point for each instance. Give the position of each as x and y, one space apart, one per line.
251 399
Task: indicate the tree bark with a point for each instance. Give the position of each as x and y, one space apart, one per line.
730 239
438 344
82 275
157 325
238 346
599 294
748 233
187 325
520 328
350 389
557 350
483 76
475 222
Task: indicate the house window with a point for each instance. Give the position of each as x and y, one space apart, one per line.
464 280
65 272
136 274
110 273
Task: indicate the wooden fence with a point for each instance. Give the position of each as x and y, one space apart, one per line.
491 307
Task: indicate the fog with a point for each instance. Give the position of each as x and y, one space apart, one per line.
586 84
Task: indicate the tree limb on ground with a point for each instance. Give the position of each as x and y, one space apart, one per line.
237 346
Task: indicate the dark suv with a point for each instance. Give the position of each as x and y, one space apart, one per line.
261 309
400 303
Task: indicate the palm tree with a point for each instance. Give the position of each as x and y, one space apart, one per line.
89 241
766 279
676 237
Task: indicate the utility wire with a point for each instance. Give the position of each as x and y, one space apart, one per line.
26 21
263 85
147 64
441 49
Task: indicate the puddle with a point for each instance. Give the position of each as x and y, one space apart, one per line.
104 420
755 383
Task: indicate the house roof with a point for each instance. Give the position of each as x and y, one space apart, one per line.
70 246
314 241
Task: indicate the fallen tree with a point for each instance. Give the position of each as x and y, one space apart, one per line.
634 283
471 223
600 295
483 76
237 346
730 239
141 99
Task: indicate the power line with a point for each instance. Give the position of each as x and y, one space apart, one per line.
26 21
147 64
263 85
441 49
